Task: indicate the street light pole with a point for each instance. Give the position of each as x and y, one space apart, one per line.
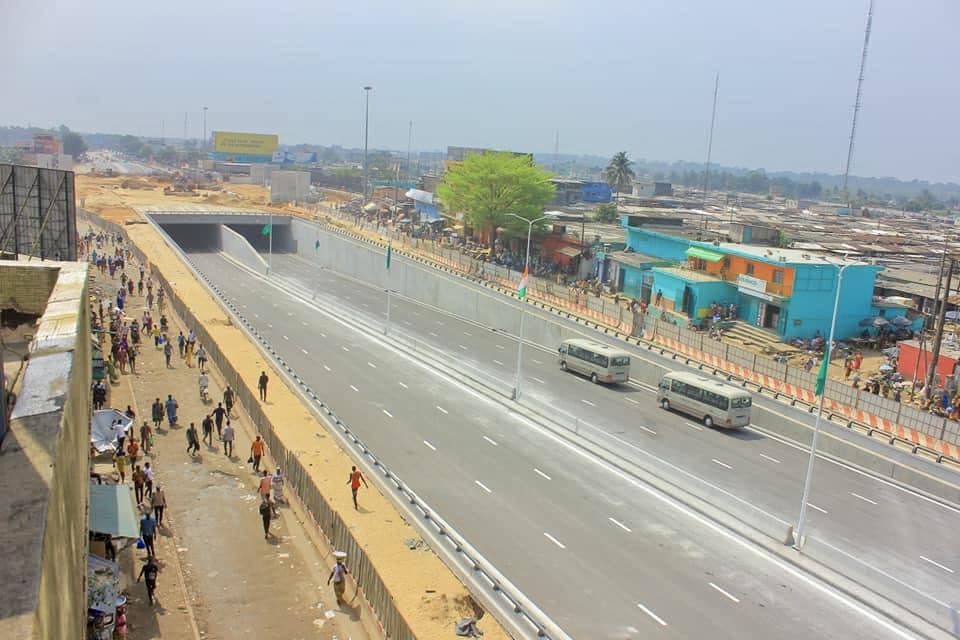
366 140
203 147
798 535
523 302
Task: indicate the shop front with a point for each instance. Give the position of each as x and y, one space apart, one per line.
760 308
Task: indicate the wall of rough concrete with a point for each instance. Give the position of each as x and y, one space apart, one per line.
237 247
26 286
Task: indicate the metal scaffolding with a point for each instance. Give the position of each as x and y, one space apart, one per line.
38 214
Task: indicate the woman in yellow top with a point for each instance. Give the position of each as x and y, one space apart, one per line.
120 462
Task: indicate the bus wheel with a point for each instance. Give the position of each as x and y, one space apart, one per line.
563 365
708 422
665 404
593 378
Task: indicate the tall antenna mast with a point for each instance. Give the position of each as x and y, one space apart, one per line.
856 104
713 120
556 151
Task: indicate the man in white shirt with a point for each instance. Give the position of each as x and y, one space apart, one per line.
228 440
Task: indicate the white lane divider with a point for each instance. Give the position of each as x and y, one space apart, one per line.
535 361
270 325
722 464
304 323
323 335
408 323
433 334
387 413
732 597
244 306
648 430
326 367
631 400
537 380
542 474
366 305
355 389
462 347
256 315
656 618
937 564
403 384
554 540
500 346
430 445
491 441
442 410
813 506
765 456
498 362
587 402
621 525
290 314
468 334
305 352
285 338
371 365
345 348
483 486
694 426
860 497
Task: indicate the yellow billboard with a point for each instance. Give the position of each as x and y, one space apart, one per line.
260 144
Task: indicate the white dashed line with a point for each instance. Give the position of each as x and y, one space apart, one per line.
500 346
462 347
860 497
244 306
493 442
657 618
936 564
270 325
285 338
765 456
326 367
371 365
323 335
498 362
483 486
433 448
587 402
305 352
387 413
304 323
345 348
554 540
620 524
537 380
408 323
813 506
648 430
722 464
631 400
468 334
366 305
694 426
290 314
542 474
403 384
442 410
355 389
256 315
734 598
536 361
433 334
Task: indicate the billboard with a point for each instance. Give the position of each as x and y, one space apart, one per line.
38 214
258 144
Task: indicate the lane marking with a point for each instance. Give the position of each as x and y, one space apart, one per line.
763 455
498 362
621 525
857 495
290 314
305 352
256 315
326 367
387 413
366 305
657 618
345 348
483 486
408 323
270 325
433 334
813 506
722 464
371 365
537 380
694 426
500 346
429 445
468 334
403 384
285 338
542 474
648 430
554 540
587 402
536 361
304 323
244 306
493 442
463 347
355 389
937 564
631 400
442 410
734 598
323 335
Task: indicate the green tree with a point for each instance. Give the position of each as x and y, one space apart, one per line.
73 144
488 186
606 212
619 173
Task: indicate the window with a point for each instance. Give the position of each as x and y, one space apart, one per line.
726 262
620 361
740 403
749 269
778 276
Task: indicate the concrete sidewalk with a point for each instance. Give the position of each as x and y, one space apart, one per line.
219 577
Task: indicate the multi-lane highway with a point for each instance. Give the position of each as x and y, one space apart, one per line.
601 553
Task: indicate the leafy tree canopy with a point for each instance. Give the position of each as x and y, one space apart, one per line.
606 212
487 187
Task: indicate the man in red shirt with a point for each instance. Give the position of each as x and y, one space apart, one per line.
355 479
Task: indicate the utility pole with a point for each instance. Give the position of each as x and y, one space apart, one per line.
409 141
184 128
857 101
204 145
713 120
556 151
366 141
163 133
941 321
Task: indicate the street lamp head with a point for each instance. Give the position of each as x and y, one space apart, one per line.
367 88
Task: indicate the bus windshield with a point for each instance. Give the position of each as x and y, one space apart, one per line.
740 403
619 361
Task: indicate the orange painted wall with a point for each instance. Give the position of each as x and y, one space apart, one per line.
762 270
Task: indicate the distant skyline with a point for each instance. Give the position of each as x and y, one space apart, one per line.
507 74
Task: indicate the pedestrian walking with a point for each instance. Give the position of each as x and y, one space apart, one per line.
218 415
146 436
167 351
265 485
193 442
159 502
276 483
262 385
149 573
149 299
148 526
171 407
207 428
256 452
156 411
138 481
132 354
354 481
201 358
133 450
228 440
182 344
265 514
120 462
228 398
148 479
339 576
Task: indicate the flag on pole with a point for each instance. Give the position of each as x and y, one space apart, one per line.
389 251
822 374
522 291
267 229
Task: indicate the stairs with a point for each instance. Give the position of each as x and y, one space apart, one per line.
747 335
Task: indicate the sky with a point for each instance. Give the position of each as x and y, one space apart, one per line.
507 74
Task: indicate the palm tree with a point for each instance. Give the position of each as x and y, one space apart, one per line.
619 174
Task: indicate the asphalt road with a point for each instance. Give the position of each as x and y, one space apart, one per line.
602 554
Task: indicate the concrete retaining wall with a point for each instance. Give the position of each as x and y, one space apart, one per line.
237 247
